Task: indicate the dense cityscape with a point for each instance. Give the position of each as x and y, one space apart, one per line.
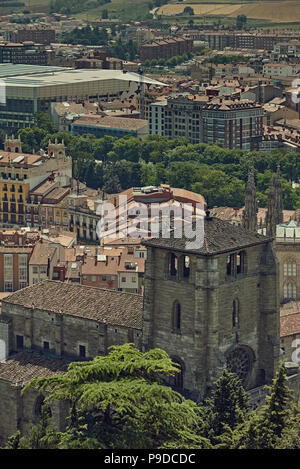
149 226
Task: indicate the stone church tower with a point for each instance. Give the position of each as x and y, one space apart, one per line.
214 307
274 214
249 221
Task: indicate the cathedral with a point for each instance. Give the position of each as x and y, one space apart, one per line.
209 308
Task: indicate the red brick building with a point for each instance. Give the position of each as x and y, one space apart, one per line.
166 48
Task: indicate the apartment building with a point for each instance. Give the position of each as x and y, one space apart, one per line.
20 173
14 267
25 53
287 49
220 40
233 122
281 70
105 125
38 33
166 48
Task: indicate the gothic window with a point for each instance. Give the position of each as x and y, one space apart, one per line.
230 265
290 268
186 267
236 264
238 361
38 406
289 291
235 314
172 265
241 262
178 379
176 317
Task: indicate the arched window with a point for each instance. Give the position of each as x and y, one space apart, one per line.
289 291
178 380
40 406
186 267
235 314
176 317
290 268
241 262
172 265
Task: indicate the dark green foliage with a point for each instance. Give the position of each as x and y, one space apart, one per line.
228 405
119 401
268 427
218 173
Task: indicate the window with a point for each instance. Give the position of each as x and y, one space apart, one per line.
20 341
240 262
173 265
46 346
8 286
176 317
230 265
93 278
290 269
123 279
34 270
177 380
289 291
186 267
82 351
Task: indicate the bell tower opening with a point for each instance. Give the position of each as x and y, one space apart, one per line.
12 144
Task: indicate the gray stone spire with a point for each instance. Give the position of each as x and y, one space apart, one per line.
271 212
250 211
278 198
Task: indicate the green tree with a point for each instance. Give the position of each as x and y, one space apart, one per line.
188 11
241 21
44 122
228 404
120 401
265 428
104 14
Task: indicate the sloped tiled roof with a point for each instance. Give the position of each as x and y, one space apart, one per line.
21 368
219 236
105 306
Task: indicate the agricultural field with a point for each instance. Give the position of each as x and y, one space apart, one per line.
277 12
124 10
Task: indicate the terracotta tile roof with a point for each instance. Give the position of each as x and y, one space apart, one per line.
40 254
58 192
10 156
21 368
105 306
44 187
110 267
219 236
112 122
290 324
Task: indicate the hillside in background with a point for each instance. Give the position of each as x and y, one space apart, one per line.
280 11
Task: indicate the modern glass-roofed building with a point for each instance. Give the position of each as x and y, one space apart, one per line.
30 89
